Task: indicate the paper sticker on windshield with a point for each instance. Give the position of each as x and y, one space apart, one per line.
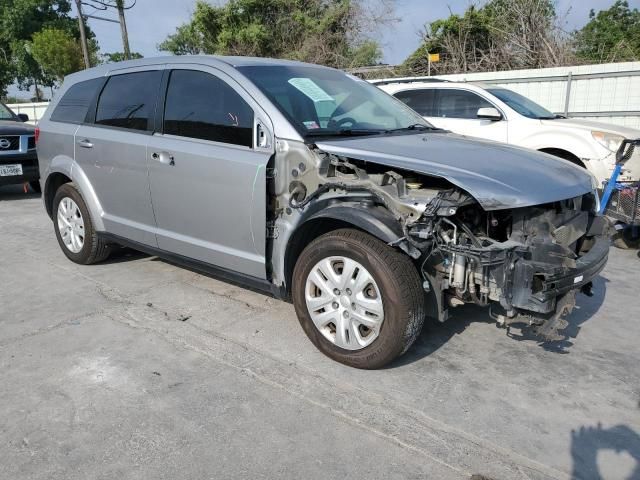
311 125
311 89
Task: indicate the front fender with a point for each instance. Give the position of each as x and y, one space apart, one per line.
575 142
375 220
67 166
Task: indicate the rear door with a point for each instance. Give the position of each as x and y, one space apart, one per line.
422 101
208 181
111 149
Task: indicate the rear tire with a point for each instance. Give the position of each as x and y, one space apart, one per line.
88 247
394 284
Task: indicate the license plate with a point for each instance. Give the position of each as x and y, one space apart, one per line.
10 170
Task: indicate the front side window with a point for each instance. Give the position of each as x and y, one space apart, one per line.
5 113
200 105
460 103
75 103
321 101
128 100
422 101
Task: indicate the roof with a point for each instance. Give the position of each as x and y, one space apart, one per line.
213 60
388 81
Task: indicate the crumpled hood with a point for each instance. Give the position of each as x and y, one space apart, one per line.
10 127
497 175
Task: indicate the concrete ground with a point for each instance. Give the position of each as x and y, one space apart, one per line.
136 368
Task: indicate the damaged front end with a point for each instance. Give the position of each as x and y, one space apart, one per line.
526 264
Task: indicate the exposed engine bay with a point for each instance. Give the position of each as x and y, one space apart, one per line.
525 264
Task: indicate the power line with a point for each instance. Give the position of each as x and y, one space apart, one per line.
103 5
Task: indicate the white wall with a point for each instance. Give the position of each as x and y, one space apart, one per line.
34 110
597 92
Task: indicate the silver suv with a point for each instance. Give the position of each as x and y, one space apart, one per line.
316 186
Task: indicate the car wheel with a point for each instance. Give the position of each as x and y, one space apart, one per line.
74 228
35 186
626 238
358 300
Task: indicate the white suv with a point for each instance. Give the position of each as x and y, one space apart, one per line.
496 113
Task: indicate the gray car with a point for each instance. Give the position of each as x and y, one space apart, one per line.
317 187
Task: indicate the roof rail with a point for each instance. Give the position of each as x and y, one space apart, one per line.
387 81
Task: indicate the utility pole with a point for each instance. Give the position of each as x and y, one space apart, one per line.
83 35
123 29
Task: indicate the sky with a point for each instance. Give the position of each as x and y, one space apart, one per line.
150 21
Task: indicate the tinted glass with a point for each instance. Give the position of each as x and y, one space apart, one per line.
200 105
74 104
128 100
322 101
459 103
521 104
420 100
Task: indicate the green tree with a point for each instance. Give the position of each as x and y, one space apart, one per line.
57 53
119 57
19 21
27 71
611 35
500 35
329 32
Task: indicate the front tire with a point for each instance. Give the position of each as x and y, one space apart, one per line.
74 228
359 301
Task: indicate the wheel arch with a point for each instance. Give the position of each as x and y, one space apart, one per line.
374 220
65 170
564 154
54 181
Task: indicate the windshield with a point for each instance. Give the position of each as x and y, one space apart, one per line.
522 104
320 101
5 113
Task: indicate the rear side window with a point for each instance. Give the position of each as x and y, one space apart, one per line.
75 103
422 101
128 100
200 105
459 103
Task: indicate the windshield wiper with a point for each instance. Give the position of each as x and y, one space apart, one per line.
349 132
415 126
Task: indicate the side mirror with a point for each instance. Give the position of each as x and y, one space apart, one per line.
23 117
489 113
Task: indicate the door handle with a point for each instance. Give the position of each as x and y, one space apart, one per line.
86 143
164 157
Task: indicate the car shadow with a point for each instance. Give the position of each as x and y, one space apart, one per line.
587 442
435 334
123 254
16 192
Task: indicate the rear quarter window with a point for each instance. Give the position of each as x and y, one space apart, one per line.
75 103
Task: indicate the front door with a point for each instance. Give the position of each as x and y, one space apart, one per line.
207 175
111 150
